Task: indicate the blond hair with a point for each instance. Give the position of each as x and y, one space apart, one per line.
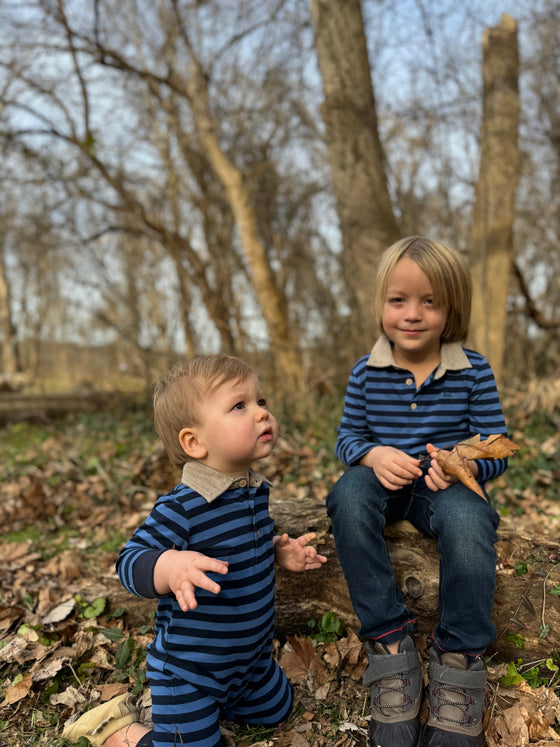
447 272
179 395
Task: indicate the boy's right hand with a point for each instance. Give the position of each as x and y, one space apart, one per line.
182 571
393 468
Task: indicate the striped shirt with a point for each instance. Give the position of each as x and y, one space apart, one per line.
215 645
383 406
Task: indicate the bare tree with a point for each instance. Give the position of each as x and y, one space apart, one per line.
9 358
492 248
356 155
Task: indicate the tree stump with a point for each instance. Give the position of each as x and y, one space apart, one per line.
525 612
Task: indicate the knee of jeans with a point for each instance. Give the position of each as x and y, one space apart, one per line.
466 525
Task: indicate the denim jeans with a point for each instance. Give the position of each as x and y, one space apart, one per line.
464 527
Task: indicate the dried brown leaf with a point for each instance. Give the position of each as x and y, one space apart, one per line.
297 656
456 460
19 691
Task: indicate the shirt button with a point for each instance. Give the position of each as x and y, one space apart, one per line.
413 406
242 483
409 382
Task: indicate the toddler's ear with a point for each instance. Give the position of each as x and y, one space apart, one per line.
188 438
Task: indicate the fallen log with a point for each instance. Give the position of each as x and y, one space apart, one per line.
15 406
526 614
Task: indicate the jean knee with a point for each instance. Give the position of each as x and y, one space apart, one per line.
466 526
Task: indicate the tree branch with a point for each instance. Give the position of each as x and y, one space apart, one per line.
530 306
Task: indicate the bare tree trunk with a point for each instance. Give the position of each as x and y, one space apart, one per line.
492 227
8 360
356 155
284 344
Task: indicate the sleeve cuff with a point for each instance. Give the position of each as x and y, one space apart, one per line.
143 573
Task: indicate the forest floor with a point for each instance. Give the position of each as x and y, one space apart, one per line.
73 489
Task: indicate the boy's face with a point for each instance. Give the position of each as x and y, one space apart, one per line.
236 428
412 319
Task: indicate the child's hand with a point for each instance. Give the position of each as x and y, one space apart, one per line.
182 571
436 478
296 554
393 468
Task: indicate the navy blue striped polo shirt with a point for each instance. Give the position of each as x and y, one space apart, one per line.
215 645
383 406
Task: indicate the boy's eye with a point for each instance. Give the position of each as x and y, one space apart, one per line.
238 406
261 402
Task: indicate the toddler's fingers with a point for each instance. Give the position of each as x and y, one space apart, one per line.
305 538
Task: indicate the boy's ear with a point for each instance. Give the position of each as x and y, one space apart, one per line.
190 444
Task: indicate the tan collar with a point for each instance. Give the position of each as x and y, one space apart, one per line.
453 357
210 483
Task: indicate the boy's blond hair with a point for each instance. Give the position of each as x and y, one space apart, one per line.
447 272
179 396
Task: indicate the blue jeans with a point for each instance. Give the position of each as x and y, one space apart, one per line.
464 527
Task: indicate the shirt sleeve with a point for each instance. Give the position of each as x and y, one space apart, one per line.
164 529
486 418
354 438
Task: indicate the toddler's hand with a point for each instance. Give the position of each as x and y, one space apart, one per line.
296 554
182 571
394 469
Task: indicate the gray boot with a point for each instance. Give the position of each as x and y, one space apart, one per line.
396 690
456 697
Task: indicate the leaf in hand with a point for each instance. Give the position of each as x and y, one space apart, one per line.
456 461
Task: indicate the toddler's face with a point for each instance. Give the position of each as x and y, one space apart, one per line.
236 426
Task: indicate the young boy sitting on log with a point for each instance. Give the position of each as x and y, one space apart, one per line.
418 392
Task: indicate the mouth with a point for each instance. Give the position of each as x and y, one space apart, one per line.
266 435
411 332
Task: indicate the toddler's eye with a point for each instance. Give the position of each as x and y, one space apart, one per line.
238 406
262 402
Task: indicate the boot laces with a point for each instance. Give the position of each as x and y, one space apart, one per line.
387 688
444 700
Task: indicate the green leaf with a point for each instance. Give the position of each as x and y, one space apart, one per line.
95 609
544 631
551 665
520 568
122 654
517 640
119 612
113 634
513 677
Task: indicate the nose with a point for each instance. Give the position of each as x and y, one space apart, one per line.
412 310
262 412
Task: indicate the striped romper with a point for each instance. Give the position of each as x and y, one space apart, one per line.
215 660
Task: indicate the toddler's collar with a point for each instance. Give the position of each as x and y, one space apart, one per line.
210 483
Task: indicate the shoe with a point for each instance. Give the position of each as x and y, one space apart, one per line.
456 700
396 690
101 722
